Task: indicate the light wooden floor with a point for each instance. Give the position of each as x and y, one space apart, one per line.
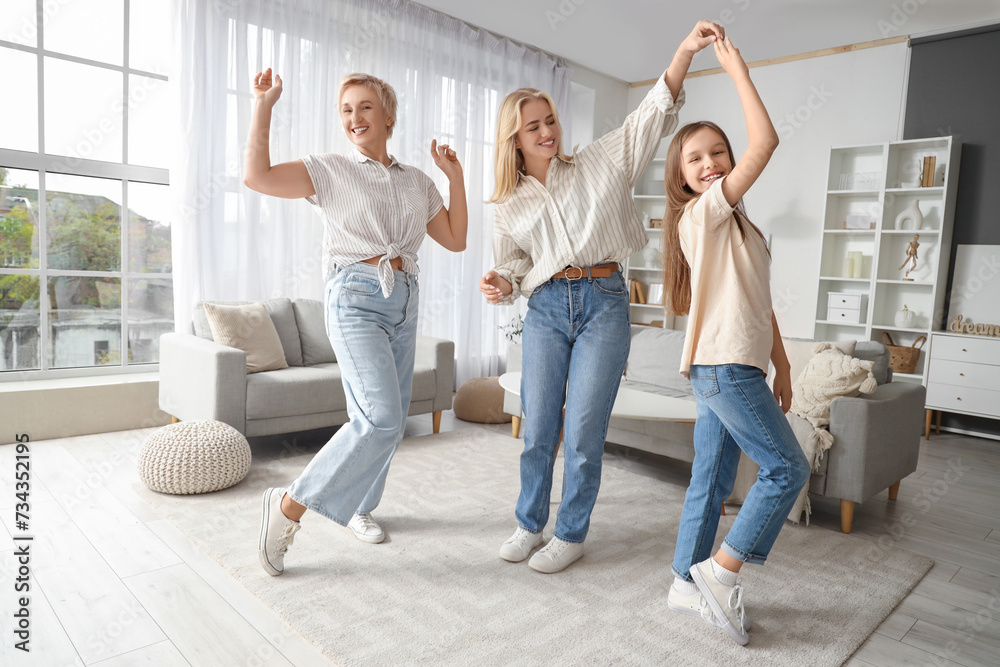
114 584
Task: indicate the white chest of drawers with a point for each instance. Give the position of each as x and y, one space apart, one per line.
964 376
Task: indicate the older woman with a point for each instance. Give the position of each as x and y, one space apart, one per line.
376 212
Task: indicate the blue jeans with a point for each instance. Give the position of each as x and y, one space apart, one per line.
576 335
737 411
375 341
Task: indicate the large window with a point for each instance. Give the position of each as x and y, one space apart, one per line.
85 272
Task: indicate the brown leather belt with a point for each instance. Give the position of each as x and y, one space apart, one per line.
396 262
576 272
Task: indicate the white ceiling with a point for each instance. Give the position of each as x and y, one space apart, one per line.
633 40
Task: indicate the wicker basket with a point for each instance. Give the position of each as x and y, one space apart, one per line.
903 359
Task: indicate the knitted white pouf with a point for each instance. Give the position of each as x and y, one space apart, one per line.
194 457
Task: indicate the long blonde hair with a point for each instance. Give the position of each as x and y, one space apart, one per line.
508 161
677 271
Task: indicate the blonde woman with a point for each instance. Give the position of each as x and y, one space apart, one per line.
376 212
562 226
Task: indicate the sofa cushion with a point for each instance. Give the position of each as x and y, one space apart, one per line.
281 314
872 350
311 321
294 391
248 328
655 358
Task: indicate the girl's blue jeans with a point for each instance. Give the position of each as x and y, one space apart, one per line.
737 411
576 339
374 339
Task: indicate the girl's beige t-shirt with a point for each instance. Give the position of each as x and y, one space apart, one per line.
730 317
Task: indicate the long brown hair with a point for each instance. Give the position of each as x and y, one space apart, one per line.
676 270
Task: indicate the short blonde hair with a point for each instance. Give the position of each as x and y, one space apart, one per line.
386 95
508 161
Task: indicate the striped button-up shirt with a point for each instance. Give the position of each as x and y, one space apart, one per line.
584 214
369 210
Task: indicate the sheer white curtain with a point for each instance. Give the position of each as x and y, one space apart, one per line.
231 243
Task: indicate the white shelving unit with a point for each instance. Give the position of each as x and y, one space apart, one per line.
650 200
879 181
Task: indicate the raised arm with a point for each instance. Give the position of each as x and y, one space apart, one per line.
290 180
632 146
704 33
450 226
762 137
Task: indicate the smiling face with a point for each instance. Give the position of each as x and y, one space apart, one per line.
364 119
539 134
704 159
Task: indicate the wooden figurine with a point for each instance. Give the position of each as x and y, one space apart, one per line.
911 257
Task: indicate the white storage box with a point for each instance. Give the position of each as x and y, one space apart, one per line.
847 307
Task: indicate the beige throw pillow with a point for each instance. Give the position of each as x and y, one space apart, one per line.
248 328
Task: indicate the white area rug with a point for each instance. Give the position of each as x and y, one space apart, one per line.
437 593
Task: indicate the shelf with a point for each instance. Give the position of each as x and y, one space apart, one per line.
891 328
856 325
915 283
846 280
653 229
645 268
647 305
856 193
852 232
660 197
935 190
902 232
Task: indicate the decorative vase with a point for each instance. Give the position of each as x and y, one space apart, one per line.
910 214
905 318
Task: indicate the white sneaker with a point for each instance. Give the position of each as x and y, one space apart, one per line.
277 532
725 601
695 605
365 528
519 545
556 556
690 605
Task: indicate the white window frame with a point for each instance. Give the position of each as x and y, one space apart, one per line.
43 164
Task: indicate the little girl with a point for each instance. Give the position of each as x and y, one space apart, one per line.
718 274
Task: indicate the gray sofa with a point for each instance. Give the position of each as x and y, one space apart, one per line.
876 437
202 379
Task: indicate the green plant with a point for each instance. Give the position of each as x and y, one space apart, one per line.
512 330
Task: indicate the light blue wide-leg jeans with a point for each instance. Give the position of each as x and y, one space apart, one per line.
576 340
374 339
737 411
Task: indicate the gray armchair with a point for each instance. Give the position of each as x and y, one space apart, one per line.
876 444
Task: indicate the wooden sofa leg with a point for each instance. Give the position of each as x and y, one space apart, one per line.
894 490
927 424
723 509
174 420
515 426
436 418
846 515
